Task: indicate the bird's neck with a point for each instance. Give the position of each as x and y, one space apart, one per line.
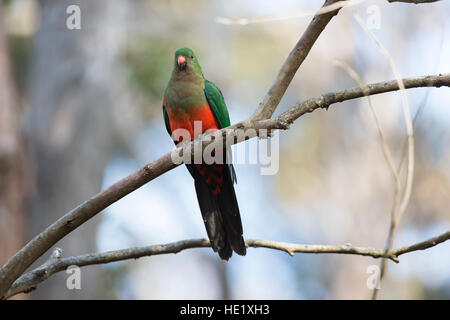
187 75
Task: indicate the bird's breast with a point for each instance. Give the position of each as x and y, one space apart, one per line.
190 113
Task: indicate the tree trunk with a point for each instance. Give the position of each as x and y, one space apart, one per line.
70 132
14 174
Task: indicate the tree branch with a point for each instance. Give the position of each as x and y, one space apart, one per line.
325 100
422 245
55 264
414 1
335 5
77 216
293 62
400 203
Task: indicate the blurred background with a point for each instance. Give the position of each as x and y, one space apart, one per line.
80 109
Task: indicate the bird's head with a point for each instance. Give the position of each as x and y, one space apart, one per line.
186 61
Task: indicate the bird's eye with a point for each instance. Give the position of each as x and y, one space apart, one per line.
192 57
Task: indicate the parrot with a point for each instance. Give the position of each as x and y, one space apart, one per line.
189 97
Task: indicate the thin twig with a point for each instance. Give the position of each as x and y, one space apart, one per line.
55 264
398 210
286 16
422 245
414 1
388 158
325 100
294 60
355 76
302 13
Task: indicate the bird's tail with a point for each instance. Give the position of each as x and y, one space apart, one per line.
219 207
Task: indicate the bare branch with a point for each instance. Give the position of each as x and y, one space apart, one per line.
293 62
70 221
55 264
325 100
291 15
82 213
414 1
399 207
386 151
302 13
422 245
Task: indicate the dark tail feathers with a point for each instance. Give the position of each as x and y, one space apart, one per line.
220 213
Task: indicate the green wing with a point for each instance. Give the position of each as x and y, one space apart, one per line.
219 108
166 121
217 104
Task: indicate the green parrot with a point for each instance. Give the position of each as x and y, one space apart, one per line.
190 97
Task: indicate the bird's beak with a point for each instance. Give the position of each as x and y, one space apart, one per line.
181 61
